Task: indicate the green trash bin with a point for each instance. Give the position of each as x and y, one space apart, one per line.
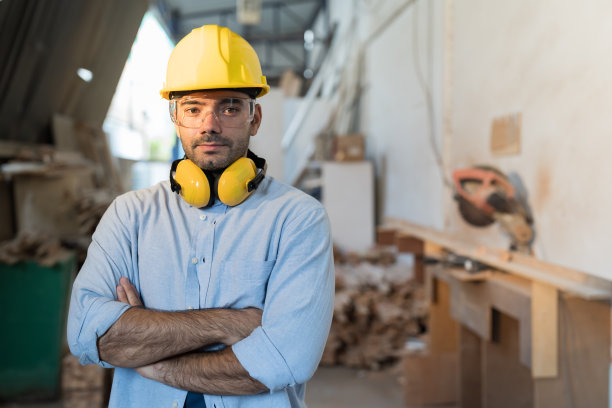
34 305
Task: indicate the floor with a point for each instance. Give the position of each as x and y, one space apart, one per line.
338 387
331 387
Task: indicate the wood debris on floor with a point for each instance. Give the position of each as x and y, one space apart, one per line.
378 307
41 248
82 386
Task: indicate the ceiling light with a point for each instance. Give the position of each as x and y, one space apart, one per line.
308 36
85 74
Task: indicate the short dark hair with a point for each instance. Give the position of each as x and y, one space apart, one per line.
250 92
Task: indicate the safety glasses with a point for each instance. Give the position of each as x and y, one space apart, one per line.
230 112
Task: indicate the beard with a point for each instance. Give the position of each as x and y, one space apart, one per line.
217 161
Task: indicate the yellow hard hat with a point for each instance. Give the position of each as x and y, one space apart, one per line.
213 57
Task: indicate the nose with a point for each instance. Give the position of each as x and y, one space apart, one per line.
210 123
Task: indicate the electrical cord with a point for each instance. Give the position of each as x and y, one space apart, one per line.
427 91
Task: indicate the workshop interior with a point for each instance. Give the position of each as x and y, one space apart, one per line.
458 149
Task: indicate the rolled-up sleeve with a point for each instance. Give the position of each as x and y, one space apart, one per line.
93 307
288 346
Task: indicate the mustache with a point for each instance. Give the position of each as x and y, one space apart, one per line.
213 138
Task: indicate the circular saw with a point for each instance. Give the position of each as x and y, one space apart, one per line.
485 195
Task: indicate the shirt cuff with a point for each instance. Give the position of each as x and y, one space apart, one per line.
263 361
102 314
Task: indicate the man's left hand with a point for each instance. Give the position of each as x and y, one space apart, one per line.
151 371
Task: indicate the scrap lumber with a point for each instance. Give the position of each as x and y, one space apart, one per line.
378 307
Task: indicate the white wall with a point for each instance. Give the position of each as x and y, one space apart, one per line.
552 61
266 143
396 109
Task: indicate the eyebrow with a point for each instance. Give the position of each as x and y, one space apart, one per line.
229 99
191 102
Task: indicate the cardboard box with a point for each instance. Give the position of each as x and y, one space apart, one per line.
349 148
430 379
46 203
291 84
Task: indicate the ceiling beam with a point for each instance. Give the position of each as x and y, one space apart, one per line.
230 10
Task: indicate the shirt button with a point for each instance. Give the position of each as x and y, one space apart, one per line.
174 404
194 260
189 307
202 217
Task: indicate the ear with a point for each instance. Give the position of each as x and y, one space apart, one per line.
256 120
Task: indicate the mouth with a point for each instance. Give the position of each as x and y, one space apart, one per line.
211 147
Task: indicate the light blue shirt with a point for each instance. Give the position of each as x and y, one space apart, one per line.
272 252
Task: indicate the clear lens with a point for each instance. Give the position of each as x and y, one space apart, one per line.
230 112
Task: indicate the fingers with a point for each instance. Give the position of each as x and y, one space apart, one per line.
127 293
121 295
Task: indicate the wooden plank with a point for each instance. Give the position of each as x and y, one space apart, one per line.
584 347
385 236
465 276
470 369
469 302
433 250
430 379
512 295
569 280
544 331
443 329
471 306
506 382
409 243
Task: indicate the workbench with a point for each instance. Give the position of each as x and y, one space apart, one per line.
524 333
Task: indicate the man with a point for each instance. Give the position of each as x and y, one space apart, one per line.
213 289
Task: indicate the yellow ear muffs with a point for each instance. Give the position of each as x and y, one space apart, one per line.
233 187
236 183
193 183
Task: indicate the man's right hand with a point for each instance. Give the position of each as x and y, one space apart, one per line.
127 293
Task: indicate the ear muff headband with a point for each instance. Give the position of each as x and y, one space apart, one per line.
235 185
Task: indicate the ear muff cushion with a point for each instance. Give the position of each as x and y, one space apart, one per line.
232 188
195 188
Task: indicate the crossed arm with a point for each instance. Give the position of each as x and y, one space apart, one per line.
159 345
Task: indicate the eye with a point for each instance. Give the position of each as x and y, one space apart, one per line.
192 111
231 110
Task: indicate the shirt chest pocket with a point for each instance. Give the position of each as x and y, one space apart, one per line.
239 283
